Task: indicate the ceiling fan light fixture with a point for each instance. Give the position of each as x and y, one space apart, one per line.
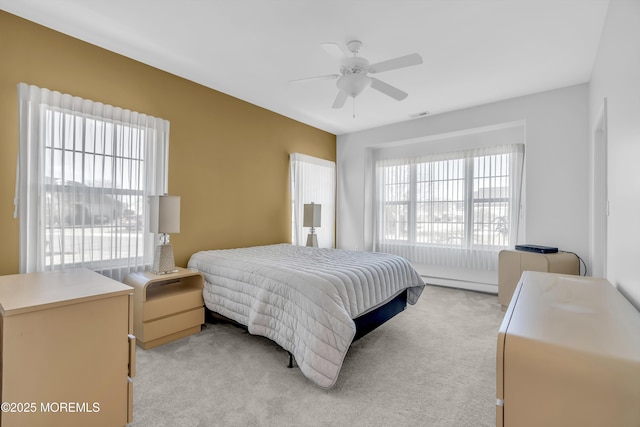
353 84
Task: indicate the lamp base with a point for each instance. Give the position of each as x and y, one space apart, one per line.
312 240
163 262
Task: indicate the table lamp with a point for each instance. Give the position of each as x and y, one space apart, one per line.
164 219
312 219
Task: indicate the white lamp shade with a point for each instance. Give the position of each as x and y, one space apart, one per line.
164 214
311 215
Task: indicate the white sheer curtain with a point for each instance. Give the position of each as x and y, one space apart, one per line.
85 171
454 209
312 180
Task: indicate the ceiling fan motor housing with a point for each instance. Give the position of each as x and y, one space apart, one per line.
354 65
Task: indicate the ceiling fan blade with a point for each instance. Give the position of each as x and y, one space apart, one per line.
325 77
387 89
399 62
341 98
336 50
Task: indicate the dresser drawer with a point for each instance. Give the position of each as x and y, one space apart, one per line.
168 299
171 324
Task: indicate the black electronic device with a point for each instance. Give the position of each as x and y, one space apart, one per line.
537 249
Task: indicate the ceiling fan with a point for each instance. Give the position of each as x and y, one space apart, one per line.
354 72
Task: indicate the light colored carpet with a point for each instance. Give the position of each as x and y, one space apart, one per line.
432 365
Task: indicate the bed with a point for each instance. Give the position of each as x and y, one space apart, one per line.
313 302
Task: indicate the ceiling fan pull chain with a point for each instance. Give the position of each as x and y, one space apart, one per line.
354 107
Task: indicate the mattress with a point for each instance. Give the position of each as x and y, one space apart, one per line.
304 298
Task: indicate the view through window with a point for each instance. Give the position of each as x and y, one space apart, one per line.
94 184
466 201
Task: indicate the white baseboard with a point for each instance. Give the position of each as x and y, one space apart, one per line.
460 284
462 278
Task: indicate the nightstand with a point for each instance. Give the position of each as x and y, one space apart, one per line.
166 307
511 265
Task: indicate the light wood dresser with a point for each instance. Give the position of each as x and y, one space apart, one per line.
166 306
67 350
568 355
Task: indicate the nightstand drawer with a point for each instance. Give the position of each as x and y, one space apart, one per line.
171 324
168 299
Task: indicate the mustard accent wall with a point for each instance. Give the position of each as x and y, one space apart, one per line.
228 159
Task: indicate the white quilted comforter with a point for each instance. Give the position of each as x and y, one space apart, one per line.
303 298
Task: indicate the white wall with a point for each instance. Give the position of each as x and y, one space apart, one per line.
556 165
616 77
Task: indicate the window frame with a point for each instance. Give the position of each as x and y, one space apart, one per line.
468 200
312 180
56 129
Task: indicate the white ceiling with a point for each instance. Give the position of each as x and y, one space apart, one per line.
474 51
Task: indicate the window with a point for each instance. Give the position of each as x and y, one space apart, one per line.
450 208
85 171
312 180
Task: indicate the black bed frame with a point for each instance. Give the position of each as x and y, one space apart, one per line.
371 320
364 323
